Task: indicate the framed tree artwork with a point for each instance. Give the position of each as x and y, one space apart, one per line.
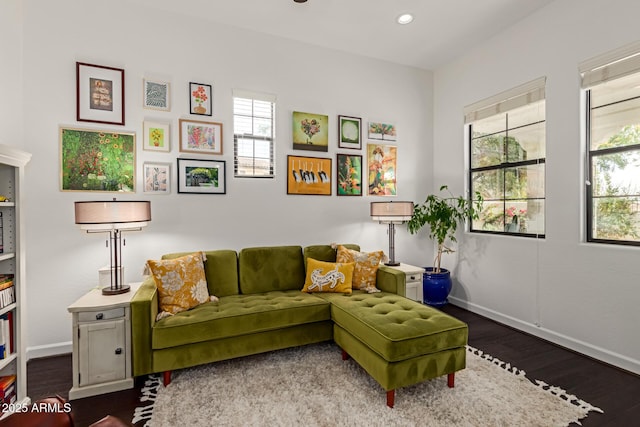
310 131
383 131
349 175
381 162
99 94
308 175
349 132
197 176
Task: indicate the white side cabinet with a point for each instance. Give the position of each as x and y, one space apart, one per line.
101 343
413 280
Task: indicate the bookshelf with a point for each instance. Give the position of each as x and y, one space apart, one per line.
12 262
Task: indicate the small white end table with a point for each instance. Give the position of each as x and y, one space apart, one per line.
413 280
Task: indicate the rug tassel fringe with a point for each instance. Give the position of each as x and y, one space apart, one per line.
149 394
506 366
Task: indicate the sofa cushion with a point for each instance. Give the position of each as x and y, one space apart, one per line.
276 268
395 327
237 315
325 252
181 283
366 267
221 270
328 277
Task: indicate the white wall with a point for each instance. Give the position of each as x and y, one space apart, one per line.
581 295
11 73
63 261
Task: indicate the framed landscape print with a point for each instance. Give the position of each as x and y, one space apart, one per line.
156 178
349 132
382 131
310 132
156 136
156 95
200 137
200 99
381 162
308 175
97 160
201 176
99 94
349 172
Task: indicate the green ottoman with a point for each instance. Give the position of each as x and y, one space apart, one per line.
399 342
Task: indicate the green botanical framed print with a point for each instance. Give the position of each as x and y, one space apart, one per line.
349 182
349 132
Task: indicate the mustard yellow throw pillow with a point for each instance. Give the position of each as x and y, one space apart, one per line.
181 283
365 269
328 277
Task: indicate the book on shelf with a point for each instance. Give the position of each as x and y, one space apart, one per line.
6 335
1 235
8 389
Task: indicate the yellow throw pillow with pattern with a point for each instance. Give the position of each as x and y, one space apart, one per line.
328 276
366 267
181 283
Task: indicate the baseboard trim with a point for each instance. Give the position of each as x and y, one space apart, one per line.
589 350
49 350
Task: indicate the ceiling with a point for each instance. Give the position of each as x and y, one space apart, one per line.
441 30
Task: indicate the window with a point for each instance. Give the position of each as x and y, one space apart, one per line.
253 134
612 95
507 160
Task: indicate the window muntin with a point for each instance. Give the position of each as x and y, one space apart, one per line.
254 137
508 169
613 193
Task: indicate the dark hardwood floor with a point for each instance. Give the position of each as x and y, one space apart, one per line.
614 391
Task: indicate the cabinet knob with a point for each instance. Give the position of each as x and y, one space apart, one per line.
118 350
99 316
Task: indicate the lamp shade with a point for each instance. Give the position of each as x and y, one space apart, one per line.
114 214
391 211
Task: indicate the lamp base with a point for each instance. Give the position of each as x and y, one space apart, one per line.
392 264
121 290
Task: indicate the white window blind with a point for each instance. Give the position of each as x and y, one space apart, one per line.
611 65
511 99
253 134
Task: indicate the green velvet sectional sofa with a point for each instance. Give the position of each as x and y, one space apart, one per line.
261 308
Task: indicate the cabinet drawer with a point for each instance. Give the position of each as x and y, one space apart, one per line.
414 278
93 316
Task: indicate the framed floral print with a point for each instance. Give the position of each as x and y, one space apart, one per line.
310 131
156 178
200 99
349 175
156 95
381 162
349 132
308 175
157 136
99 94
200 137
382 131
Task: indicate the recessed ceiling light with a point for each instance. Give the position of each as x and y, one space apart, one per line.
405 18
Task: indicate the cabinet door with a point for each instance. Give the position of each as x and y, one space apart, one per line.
102 352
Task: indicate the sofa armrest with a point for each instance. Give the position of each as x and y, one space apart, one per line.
144 309
391 280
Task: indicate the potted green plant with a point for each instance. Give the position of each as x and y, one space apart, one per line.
442 214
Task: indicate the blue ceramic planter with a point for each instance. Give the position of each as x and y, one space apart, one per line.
436 287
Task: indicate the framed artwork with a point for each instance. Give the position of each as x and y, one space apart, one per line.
156 95
349 132
308 175
200 137
157 136
99 94
310 132
200 99
349 175
156 178
381 161
97 160
382 131
201 176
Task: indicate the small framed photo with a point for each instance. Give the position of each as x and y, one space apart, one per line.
349 132
156 95
200 137
156 177
157 136
200 99
349 175
198 176
382 131
308 175
99 94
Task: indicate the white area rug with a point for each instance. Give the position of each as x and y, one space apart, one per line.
312 386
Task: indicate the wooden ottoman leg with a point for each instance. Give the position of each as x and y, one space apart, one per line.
345 355
451 379
391 398
166 378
